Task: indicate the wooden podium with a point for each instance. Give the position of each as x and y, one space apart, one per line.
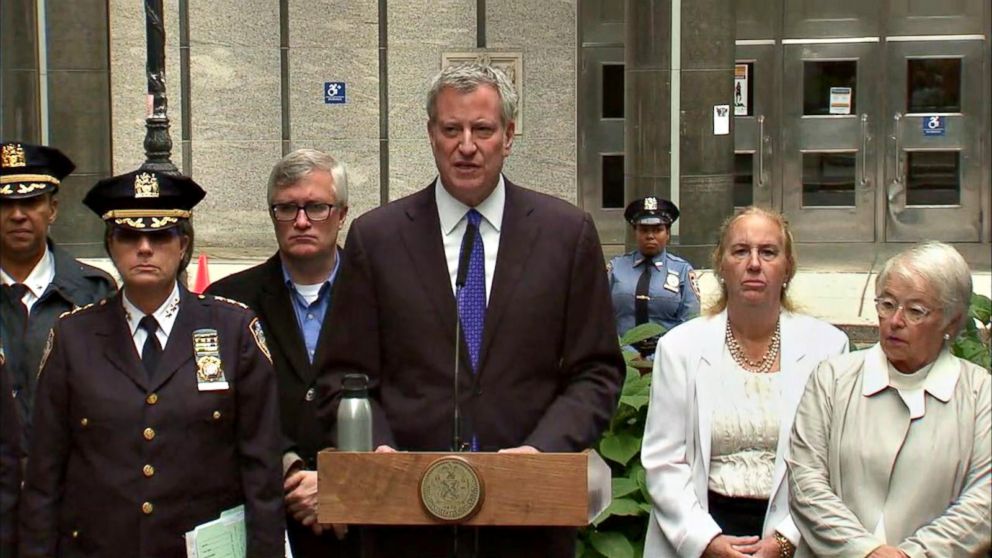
406 488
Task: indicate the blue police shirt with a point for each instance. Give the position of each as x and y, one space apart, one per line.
310 316
673 293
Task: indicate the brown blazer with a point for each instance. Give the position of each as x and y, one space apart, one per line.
550 368
108 439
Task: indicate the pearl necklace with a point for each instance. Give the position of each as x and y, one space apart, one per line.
765 363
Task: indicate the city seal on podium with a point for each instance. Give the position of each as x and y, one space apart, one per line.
451 490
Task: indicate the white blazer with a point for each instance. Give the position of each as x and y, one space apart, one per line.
676 447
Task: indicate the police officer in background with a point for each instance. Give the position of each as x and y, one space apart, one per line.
156 409
40 281
651 284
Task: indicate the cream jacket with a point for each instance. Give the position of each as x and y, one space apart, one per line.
676 448
856 456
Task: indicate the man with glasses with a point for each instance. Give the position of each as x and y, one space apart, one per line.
291 292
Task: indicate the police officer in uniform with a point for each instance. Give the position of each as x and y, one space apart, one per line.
651 284
156 409
40 280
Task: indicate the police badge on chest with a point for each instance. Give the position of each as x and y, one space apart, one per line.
209 367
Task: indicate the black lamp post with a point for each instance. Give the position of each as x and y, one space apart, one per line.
158 144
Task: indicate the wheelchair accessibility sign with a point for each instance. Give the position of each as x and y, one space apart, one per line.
335 93
934 125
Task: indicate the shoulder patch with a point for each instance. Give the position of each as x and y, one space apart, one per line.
609 266
694 283
255 327
48 350
231 301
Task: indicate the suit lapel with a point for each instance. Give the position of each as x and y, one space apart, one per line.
179 349
426 252
518 234
119 344
708 382
277 312
795 372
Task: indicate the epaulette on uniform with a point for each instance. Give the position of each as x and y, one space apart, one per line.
677 258
229 301
81 308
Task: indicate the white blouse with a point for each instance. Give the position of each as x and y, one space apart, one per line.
746 422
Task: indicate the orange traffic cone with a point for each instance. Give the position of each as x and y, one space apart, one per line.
202 280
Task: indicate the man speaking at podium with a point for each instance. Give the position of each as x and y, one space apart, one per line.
539 367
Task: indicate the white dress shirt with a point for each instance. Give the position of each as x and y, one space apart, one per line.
37 281
165 315
451 213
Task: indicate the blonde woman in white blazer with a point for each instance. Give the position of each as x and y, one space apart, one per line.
722 403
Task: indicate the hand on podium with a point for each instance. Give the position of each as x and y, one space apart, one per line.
385 449
301 502
520 449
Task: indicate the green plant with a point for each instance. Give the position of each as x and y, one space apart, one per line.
619 531
973 344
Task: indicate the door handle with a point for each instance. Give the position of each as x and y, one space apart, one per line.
865 138
897 130
897 189
761 150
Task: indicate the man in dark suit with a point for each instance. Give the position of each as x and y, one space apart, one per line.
290 293
40 281
540 366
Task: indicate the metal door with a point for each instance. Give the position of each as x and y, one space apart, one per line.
935 125
832 18
600 98
756 84
830 105
934 17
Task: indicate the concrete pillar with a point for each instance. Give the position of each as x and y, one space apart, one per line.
702 67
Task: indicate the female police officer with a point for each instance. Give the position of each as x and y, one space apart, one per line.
156 409
650 284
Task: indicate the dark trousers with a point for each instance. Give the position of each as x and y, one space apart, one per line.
741 517
307 545
472 542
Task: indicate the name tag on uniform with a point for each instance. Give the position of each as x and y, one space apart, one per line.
672 281
209 368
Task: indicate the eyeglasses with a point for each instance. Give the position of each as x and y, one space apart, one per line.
914 313
289 211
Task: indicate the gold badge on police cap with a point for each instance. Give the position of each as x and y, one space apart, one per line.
650 203
209 367
145 186
13 155
451 489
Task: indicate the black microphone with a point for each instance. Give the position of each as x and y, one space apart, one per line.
468 244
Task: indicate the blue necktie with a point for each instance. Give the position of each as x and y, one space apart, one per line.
472 298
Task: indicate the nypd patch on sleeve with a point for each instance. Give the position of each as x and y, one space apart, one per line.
256 331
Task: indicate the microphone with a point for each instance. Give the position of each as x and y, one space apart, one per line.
468 244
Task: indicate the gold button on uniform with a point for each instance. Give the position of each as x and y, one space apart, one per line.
216 415
75 534
147 508
152 398
149 434
84 421
148 470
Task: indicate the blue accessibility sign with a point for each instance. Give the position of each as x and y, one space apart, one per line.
934 125
335 93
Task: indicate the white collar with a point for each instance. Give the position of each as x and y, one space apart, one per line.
451 211
940 382
165 314
40 277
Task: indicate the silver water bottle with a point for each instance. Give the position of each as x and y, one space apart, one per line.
355 414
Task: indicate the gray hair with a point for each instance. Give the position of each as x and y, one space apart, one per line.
466 78
946 274
294 166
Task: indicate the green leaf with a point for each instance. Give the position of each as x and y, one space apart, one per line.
981 308
623 486
640 333
620 447
611 544
635 401
620 506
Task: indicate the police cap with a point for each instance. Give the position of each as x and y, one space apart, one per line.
144 200
28 170
651 211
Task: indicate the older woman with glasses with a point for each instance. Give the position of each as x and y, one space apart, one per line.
891 449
